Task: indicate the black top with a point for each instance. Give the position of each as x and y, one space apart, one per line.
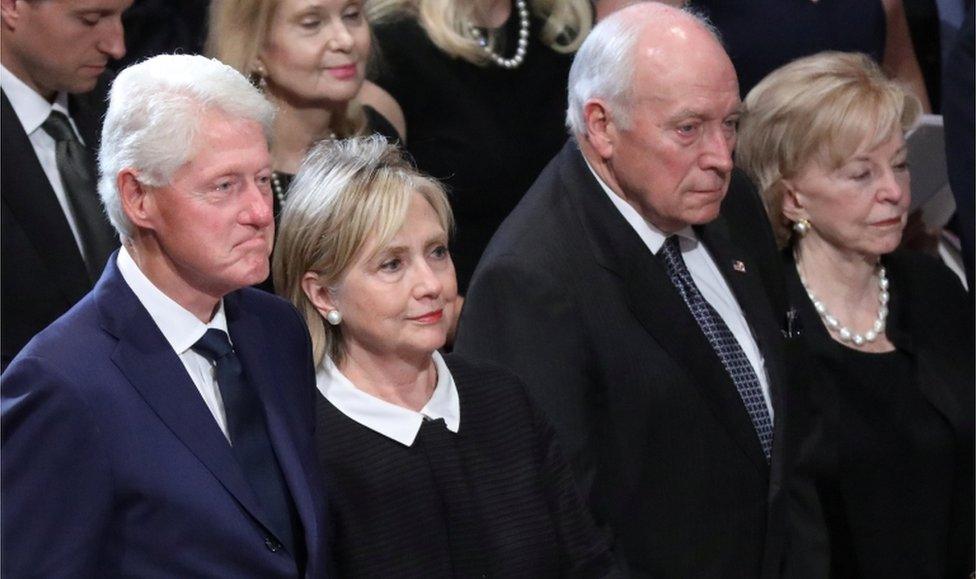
886 439
762 35
495 499
894 446
485 131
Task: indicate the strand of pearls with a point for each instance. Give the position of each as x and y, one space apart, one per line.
521 47
845 333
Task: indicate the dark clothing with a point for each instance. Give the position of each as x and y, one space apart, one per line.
569 298
960 139
42 272
887 439
496 499
763 35
484 131
113 465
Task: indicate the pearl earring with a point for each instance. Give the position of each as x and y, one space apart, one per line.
333 317
801 227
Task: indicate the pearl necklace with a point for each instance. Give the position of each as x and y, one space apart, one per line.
845 334
523 40
279 191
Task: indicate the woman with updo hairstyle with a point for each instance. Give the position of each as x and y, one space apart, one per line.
309 58
438 466
884 422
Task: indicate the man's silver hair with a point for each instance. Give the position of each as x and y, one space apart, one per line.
154 113
604 65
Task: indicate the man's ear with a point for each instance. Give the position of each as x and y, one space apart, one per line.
318 293
138 201
601 132
11 12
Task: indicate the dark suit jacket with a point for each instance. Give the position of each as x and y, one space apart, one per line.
112 465
42 273
931 320
569 297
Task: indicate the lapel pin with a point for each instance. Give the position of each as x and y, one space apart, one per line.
739 266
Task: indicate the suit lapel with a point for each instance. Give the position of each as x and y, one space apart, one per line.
248 336
29 196
656 304
152 368
742 276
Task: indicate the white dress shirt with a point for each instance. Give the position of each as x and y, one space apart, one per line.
709 279
393 421
32 110
181 329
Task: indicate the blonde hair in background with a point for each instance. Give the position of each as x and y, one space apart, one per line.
567 22
345 192
237 30
821 109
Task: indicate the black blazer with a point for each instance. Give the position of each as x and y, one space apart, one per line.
930 319
569 297
42 273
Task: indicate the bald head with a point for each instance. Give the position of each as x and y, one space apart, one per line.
644 39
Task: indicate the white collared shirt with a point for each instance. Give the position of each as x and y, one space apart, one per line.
709 279
393 421
181 329
32 110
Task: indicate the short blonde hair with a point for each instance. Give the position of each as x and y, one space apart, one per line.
819 108
345 192
567 22
237 31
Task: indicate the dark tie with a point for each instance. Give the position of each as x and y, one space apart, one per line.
249 436
78 176
722 341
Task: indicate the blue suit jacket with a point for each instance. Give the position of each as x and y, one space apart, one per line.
113 465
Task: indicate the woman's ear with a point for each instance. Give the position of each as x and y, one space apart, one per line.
318 293
792 201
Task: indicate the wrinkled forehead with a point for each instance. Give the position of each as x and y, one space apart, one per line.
686 61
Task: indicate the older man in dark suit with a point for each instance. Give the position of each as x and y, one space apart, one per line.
163 426
55 238
629 291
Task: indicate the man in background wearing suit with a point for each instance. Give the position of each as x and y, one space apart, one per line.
163 426
636 311
55 239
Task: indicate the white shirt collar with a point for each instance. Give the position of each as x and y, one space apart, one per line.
396 422
180 327
652 237
31 108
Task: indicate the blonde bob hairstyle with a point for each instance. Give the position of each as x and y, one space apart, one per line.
817 109
237 31
345 193
446 22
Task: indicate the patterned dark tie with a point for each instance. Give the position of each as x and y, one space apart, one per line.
249 436
722 341
97 237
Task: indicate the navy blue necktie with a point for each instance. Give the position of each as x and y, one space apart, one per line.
97 238
249 435
722 341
